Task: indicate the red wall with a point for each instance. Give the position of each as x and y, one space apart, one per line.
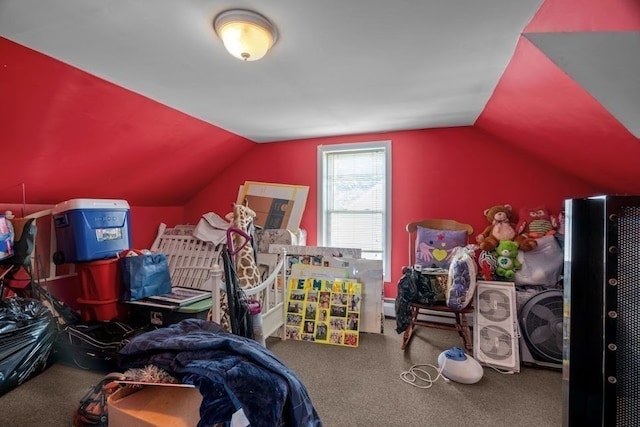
451 173
74 134
145 222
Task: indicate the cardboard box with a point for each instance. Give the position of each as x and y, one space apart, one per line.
155 406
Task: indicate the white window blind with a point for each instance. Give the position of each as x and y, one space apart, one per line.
354 204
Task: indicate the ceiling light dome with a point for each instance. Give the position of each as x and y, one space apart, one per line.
246 35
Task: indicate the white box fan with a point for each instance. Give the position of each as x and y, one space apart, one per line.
541 329
495 337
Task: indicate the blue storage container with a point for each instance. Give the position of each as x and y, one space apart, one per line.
90 229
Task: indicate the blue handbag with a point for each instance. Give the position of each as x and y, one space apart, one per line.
144 276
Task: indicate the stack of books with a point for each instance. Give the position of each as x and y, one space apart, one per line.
178 297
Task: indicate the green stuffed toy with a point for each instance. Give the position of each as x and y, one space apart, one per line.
507 262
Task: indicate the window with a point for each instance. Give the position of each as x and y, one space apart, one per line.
354 199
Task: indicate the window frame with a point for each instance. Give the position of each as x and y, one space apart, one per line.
385 146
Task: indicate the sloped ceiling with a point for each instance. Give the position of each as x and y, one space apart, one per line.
338 67
133 97
571 93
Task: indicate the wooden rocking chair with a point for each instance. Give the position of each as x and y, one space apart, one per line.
439 316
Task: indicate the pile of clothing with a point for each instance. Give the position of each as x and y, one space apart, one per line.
235 375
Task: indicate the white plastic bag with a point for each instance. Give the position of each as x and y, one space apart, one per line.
542 265
461 282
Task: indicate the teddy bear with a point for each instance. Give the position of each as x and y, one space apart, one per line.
501 228
536 222
507 262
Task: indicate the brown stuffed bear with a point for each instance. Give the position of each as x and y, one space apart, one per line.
501 228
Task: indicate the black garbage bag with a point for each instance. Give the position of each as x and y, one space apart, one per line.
27 333
416 287
94 345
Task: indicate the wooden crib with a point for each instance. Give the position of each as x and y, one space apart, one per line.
196 264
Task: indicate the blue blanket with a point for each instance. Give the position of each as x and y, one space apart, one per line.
231 372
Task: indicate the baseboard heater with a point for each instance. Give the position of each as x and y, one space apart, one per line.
448 318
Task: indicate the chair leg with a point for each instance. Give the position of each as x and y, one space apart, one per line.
409 331
28 291
3 277
465 332
407 336
32 283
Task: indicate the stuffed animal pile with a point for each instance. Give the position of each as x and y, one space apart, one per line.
501 240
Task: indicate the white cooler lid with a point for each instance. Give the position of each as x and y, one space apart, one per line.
89 204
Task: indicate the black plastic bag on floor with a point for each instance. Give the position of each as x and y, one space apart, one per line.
27 333
413 286
94 345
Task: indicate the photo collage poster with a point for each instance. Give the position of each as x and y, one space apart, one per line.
324 311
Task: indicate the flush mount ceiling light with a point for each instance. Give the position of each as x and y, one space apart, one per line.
246 35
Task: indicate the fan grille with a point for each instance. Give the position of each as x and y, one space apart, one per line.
541 319
495 339
494 305
628 338
495 342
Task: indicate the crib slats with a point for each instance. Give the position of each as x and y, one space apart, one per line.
192 262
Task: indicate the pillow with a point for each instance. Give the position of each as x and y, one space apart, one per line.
433 247
461 281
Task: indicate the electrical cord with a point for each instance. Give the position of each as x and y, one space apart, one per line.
418 377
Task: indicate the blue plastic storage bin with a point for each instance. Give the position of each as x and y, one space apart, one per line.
90 229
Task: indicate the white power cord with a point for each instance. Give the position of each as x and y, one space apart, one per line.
418 377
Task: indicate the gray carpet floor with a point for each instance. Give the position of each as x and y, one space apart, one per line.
349 387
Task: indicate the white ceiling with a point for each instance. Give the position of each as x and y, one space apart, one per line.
338 68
